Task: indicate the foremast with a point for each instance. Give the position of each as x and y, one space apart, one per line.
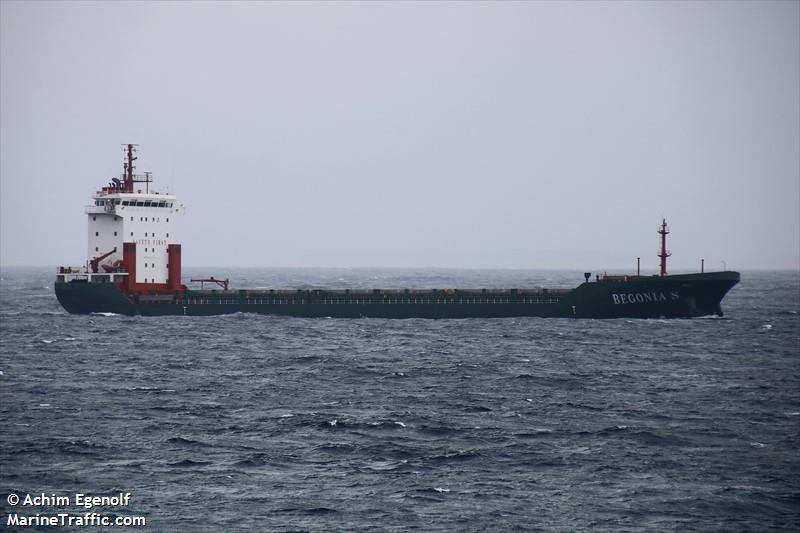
663 253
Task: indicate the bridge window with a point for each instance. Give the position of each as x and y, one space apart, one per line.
147 203
139 204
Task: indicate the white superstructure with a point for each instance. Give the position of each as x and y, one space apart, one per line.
148 219
127 211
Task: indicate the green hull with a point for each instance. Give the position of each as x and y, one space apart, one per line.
678 296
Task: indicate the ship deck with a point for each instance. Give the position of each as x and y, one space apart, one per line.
361 296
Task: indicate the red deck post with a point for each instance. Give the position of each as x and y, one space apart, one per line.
129 260
174 270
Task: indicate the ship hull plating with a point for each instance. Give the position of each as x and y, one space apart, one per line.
676 296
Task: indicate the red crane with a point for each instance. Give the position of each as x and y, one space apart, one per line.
96 261
221 282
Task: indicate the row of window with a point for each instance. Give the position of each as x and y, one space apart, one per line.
144 219
132 203
141 219
152 250
97 234
145 234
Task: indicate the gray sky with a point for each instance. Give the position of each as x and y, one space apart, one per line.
532 135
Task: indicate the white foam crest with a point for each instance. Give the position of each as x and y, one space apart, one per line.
440 489
106 314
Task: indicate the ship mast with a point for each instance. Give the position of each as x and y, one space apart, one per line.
128 177
663 253
128 167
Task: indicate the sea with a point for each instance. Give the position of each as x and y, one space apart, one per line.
262 423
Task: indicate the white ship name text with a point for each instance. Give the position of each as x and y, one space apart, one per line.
643 297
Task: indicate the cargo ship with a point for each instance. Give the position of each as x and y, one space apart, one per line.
133 267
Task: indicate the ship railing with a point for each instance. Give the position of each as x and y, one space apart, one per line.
96 209
370 293
72 270
69 274
618 277
222 298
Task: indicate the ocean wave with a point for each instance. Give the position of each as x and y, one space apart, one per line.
189 463
607 425
185 442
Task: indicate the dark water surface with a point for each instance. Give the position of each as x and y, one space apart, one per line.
247 422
